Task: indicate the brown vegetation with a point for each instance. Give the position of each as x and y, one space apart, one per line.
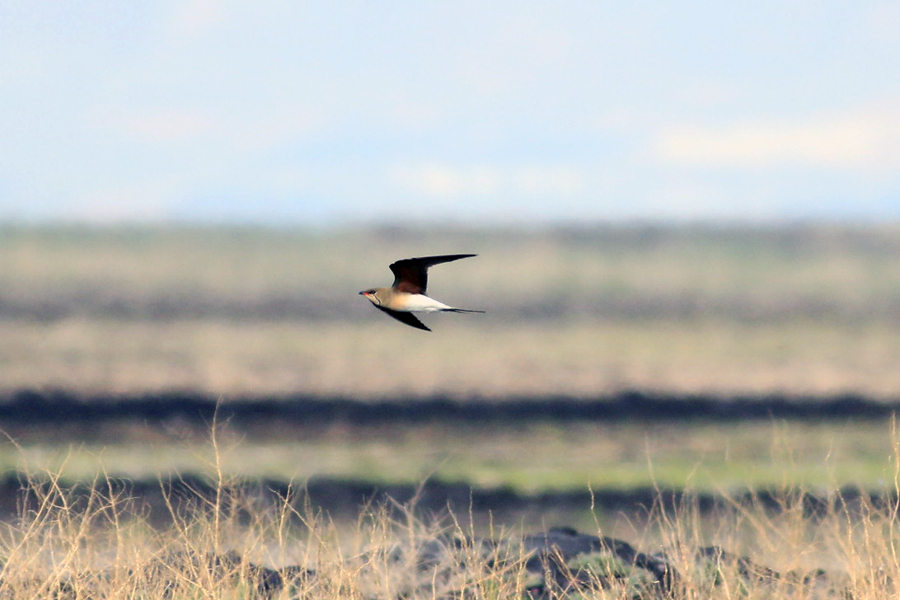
222 544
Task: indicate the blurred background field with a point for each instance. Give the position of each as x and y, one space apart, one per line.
570 311
265 313
523 458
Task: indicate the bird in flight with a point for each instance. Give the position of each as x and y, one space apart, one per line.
407 294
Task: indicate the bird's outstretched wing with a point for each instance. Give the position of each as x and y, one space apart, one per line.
404 317
411 274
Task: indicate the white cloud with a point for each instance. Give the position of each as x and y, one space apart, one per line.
121 204
245 132
270 129
444 180
196 16
166 126
441 180
863 141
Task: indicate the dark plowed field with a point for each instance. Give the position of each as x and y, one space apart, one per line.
345 499
59 407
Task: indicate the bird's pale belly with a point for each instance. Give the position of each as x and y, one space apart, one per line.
420 303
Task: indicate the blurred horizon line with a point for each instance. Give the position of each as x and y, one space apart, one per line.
412 225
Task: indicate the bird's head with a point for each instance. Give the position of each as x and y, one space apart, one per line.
372 296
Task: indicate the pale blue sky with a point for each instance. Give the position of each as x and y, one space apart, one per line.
517 112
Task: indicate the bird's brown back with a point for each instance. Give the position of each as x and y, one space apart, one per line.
411 274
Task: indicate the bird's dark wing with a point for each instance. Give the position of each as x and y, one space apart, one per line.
411 274
404 317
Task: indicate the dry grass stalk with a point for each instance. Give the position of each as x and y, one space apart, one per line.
69 543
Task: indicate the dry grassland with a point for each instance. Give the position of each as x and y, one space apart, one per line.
230 546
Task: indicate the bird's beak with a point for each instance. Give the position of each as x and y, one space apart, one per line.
363 294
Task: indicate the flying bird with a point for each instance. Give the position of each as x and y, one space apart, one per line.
407 294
